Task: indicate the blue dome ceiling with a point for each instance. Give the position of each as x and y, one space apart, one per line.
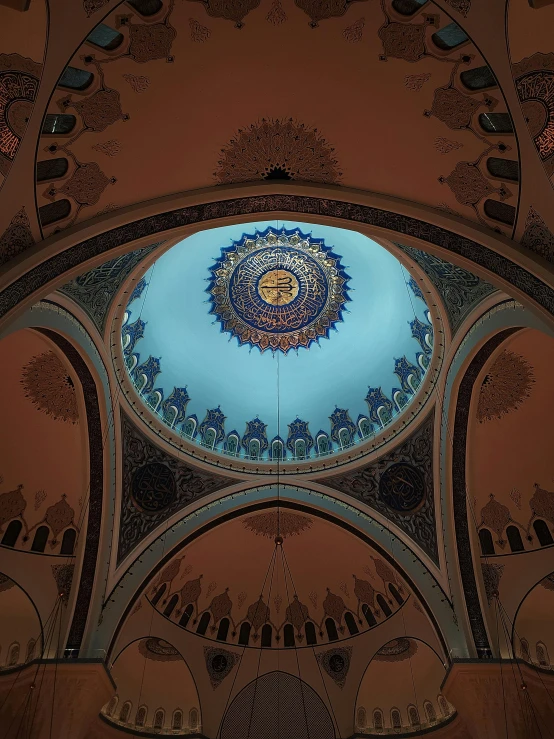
311 335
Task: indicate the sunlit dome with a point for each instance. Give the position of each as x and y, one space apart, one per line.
277 340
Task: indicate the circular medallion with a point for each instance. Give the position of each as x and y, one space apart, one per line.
402 487
278 287
278 290
219 663
336 663
153 487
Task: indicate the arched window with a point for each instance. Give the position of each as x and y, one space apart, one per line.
266 635
503 169
41 537
187 613
496 123
500 211
383 605
485 539
413 716
125 711
322 444
203 624
443 703
543 532
244 633
331 628
68 541
154 400
361 718
395 594
542 655
11 534
311 635
112 705
76 79
30 650
413 382
53 212
146 7
514 539
423 361
277 450
168 610
430 712
300 449
449 37
254 449
351 624
159 594
344 437
232 444
223 629
159 717
395 718
51 169
400 399
105 37
189 427
140 718
193 719
384 415
369 617
407 7
365 427
170 414
478 78
209 438
177 720
288 634
525 653
58 124
131 362
378 722
13 654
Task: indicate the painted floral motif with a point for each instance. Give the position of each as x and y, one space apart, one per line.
16 238
397 650
231 10
139 83
492 573
50 388
507 384
278 149
445 146
198 32
158 650
109 148
272 523
355 32
276 14
319 11
416 81
537 236
63 575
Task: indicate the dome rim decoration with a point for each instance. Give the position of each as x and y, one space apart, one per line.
372 445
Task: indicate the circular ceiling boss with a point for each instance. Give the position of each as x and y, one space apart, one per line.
278 290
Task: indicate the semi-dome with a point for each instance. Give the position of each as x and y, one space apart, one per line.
277 341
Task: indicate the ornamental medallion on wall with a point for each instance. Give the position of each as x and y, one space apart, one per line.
278 290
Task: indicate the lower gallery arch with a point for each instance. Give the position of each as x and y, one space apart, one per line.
277 705
155 690
381 216
21 632
401 689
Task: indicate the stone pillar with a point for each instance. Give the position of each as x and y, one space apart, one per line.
64 694
502 699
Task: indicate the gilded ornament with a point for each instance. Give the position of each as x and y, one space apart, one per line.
278 290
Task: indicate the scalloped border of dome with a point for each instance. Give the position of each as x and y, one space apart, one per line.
360 450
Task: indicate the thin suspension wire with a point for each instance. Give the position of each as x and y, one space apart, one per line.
295 647
334 718
271 562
